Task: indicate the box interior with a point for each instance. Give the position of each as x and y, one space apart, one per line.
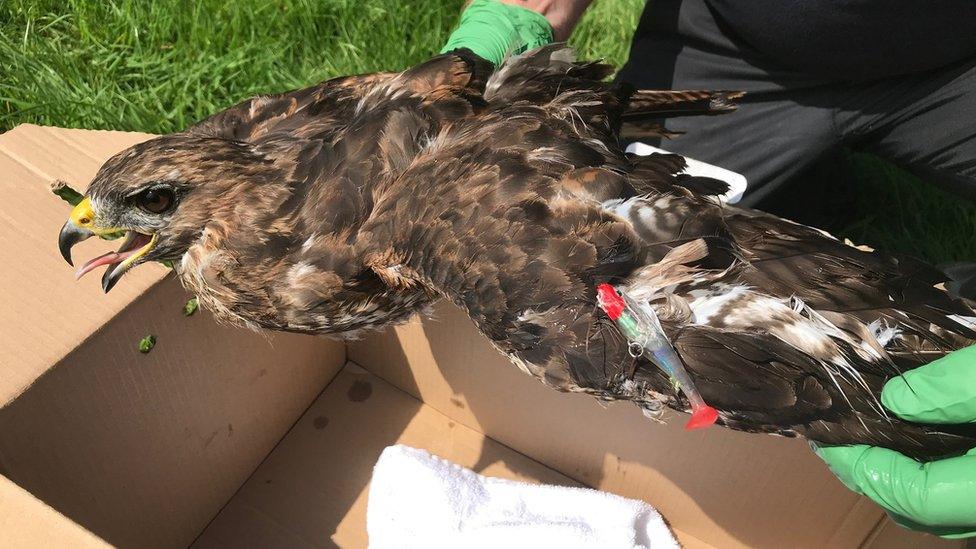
313 485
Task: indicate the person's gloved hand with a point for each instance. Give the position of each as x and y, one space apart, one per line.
938 497
492 30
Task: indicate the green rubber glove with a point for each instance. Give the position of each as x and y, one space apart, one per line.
493 30
938 497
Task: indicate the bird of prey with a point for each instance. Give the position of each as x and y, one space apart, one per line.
357 202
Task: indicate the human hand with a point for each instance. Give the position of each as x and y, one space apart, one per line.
938 497
492 30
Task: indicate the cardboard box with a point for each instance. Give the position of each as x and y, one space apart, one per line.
222 437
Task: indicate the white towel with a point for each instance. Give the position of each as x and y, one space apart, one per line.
420 500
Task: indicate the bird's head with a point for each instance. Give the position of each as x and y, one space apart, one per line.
158 195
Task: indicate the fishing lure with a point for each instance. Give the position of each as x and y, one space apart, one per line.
643 331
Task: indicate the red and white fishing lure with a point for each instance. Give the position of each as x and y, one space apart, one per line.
640 326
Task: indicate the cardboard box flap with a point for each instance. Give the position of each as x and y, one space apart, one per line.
27 522
143 450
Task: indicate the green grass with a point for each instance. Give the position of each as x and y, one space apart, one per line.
157 66
870 201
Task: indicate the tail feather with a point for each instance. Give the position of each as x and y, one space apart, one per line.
636 129
667 104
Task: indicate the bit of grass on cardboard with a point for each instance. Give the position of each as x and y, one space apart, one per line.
66 193
147 343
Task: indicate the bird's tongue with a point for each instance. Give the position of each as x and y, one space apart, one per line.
110 258
133 242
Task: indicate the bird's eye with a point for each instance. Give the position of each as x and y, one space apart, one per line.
156 201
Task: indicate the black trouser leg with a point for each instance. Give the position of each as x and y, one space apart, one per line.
925 122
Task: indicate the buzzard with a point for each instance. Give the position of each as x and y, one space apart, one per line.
357 202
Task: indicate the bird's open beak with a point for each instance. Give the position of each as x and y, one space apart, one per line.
82 224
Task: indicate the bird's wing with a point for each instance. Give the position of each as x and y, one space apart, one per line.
840 319
500 218
324 110
494 235
510 213
765 385
500 232
788 259
505 213
315 111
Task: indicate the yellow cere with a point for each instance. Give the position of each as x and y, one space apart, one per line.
83 216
